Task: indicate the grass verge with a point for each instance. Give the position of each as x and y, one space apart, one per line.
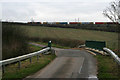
62 42
107 68
12 72
33 48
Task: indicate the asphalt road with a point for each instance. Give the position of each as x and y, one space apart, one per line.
70 63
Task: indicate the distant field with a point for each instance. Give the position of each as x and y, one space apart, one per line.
77 34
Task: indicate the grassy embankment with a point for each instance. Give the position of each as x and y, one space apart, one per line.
108 69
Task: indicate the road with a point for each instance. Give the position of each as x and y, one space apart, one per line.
70 63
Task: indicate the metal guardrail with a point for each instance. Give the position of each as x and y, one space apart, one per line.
12 60
20 58
117 59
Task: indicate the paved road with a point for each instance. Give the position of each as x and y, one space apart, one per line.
69 64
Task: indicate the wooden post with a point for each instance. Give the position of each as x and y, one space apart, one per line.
119 71
37 57
3 69
19 64
52 51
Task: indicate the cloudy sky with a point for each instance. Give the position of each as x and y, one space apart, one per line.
53 10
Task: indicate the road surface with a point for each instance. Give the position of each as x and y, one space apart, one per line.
70 63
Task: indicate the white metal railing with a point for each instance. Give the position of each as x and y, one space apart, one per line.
20 58
117 59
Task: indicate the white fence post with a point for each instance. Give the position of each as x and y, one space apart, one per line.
3 69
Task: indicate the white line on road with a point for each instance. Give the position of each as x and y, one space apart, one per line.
81 67
92 77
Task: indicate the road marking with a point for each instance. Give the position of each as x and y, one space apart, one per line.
93 77
81 67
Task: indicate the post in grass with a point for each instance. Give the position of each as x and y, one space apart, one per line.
49 44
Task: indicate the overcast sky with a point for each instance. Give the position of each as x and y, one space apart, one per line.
53 10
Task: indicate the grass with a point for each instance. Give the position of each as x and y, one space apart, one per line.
27 68
34 48
76 34
107 68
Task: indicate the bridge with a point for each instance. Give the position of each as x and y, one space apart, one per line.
70 63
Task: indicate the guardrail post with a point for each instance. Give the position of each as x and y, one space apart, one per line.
118 70
3 69
30 59
52 51
37 57
19 64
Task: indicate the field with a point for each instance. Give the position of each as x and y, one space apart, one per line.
76 34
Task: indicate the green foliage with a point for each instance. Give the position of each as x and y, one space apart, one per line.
62 42
33 48
53 45
107 68
97 27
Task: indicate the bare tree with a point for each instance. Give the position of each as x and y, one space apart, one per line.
113 11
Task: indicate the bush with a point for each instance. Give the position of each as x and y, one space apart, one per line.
97 27
63 42
14 41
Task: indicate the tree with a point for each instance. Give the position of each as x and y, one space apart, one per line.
113 11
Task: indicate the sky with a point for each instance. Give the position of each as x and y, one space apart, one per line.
53 10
